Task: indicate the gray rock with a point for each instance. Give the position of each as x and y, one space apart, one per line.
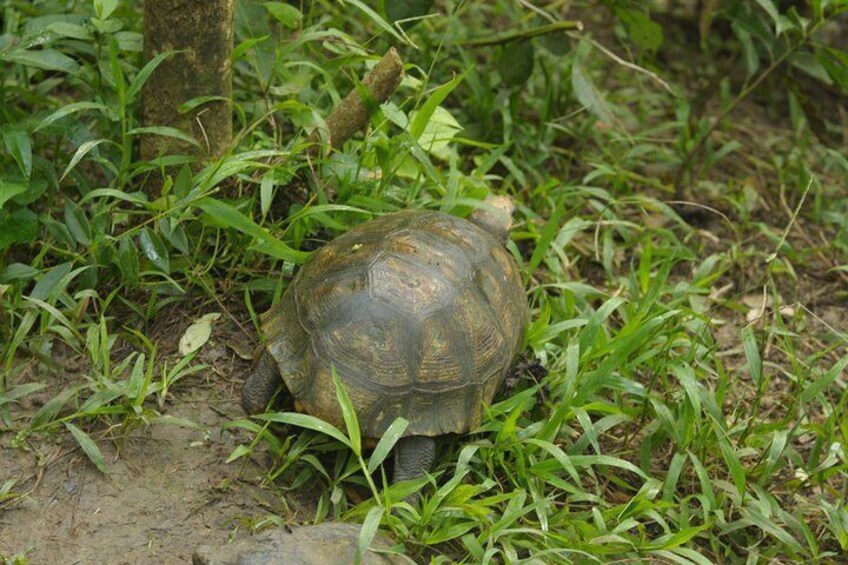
331 543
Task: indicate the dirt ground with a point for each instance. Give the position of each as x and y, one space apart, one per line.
167 491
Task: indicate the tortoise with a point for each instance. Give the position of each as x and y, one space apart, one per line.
421 314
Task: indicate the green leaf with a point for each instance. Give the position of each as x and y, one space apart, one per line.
71 109
835 62
154 249
77 223
88 446
104 8
672 540
52 283
19 147
128 261
820 384
139 198
673 476
284 13
778 444
145 72
706 483
10 189
752 354
323 209
137 383
47 59
585 90
561 457
348 413
20 391
749 50
516 61
770 9
21 226
369 530
34 189
266 193
175 234
387 443
306 421
165 131
246 46
607 461
737 472
232 218
169 420
768 526
448 531
441 128
48 412
190 105
183 182
686 376
550 231
589 334
375 17
80 153
71 30
116 75
557 43
419 124
239 452
645 32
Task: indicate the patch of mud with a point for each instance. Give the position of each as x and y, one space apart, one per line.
167 491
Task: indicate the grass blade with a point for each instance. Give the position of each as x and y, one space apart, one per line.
230 217
348 413
419 124
548 233
386 443
368 532
144 74
820 384
752 354
375 17
80 153
88 446
308 422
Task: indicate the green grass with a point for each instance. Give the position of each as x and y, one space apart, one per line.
672 425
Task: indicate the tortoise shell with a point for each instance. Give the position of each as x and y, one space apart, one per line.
420 313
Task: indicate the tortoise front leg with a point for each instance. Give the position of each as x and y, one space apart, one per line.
414 456
261 385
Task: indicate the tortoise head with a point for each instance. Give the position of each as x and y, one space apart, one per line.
495 216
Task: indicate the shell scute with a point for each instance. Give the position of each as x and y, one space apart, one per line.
410 288
420 313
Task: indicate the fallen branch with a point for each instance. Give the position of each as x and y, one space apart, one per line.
351 115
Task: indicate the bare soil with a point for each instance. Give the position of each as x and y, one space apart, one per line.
167 490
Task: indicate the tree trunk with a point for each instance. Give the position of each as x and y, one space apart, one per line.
204 30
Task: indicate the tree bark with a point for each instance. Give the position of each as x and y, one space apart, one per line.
204 30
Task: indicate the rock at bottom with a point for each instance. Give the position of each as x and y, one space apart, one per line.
326 544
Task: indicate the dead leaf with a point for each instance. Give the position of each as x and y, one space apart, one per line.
197 334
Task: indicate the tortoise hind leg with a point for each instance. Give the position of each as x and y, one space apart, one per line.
414 456
261 384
